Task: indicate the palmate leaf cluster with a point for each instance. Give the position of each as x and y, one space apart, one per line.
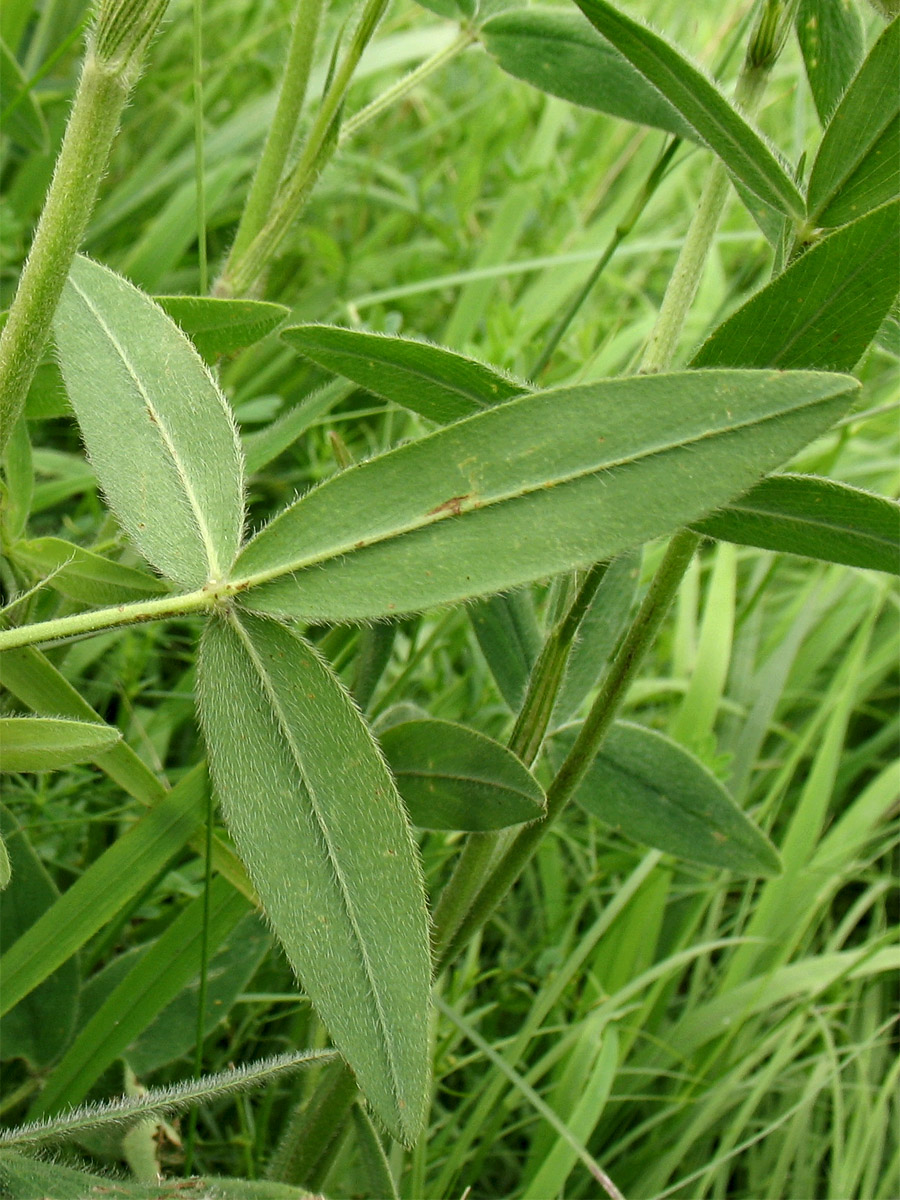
512 483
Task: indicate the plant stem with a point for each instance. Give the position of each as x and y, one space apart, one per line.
281 132
612 691
481 850
97 107
116 45
243 270
622 230
685 279
108 618
405 85
199 155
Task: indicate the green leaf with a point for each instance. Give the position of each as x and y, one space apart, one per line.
152 984
316 817
825 309
22 119
158 430
541 484
817 518
561 53
217 325
451 777
833 43
507 631
40 1026
716 121
36 1179
46 744
83 575
654 791
858 163
5 865
436 383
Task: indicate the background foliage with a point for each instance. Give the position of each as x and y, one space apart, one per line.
694 1031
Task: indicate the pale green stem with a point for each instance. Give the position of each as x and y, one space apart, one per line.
596 725
242 271
483 849
79 624
97 107
682 287
404 86
277 146
199 148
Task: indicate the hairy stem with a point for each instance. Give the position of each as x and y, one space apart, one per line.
243 270
79 624
612 691
98 105
482 850
273 160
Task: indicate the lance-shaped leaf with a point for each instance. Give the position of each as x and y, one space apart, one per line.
824 310
538 485
436 383
816 518
157 429
316 817
47 743
83 575
832 40
510 640
561 53
451 777
654 791
220 325
716 121
858 163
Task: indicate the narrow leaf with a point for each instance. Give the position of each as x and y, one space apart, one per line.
46 744
507 631
317 819
157 428
451 777
217 325
825 309
816 518
83 575
716 121
832 40
169 964
539 485
436 383
858 163
561 53
654 791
